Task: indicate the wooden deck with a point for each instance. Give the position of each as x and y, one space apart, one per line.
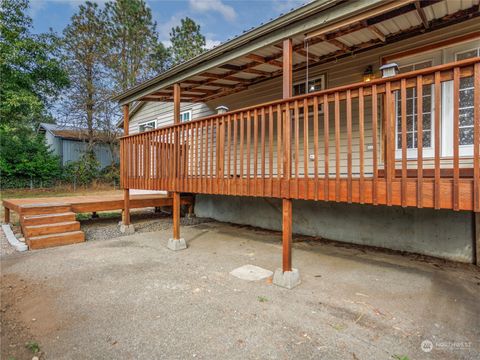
51 221
80 204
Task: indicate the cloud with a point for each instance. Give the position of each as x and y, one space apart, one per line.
210 43
226 11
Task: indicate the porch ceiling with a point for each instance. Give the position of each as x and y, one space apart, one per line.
398 21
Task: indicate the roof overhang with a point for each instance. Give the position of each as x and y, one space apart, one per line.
299 21
332 29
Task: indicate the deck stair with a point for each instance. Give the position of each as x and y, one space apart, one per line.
46 225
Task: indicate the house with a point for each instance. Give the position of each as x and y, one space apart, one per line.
324 107
69 143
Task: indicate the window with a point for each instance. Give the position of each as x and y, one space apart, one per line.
411 115
149 125
465 107
315 84
186 116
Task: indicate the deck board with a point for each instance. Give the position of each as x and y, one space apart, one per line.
91 203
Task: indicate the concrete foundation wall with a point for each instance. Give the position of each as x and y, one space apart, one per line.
440 233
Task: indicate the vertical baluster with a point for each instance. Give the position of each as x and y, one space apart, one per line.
437 114
200 140
270 147
249 132
305 148
361 146
255 150
476 139
191 142
456 125
305 138
262 146
242 126
403 106
315 144
229 162
326 140
213 143
297 148
280 168
420 140
388 152
349 146
287 148
206 140
234 180
374 143
337 147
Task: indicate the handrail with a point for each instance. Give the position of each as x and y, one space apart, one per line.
354 86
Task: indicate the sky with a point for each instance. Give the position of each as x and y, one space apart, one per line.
220 20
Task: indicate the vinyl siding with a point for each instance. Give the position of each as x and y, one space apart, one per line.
162 113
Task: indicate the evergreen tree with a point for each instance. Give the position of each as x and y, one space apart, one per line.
85 46
187 41
31 72
135 53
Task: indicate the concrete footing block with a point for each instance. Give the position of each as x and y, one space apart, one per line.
127 229
176 244
286 279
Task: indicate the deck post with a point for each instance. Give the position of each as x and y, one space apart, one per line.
176 243
126 226
287 276
7 214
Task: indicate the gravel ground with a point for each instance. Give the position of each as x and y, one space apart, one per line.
132 298
145 220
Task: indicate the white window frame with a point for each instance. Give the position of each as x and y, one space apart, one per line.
154 121
189 112
427 152
449 55
320 76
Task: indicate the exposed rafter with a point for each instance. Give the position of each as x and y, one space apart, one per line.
421 14
223 89
375 31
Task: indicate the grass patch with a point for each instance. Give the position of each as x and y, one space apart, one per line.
262 299
400 357
33 347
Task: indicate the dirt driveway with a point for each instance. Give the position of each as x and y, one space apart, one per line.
132 298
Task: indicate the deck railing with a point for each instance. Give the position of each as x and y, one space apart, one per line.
357 144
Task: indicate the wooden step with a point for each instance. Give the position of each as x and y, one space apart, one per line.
47 218
50 208
66 238
46 229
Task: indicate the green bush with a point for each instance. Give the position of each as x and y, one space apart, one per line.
24 156
83 171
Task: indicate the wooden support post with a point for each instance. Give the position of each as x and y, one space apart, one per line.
176 216
287 234
7 214
126 191
176 140
476 219
287 203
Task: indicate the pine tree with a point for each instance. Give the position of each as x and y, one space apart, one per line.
187 41
85 47
135 53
